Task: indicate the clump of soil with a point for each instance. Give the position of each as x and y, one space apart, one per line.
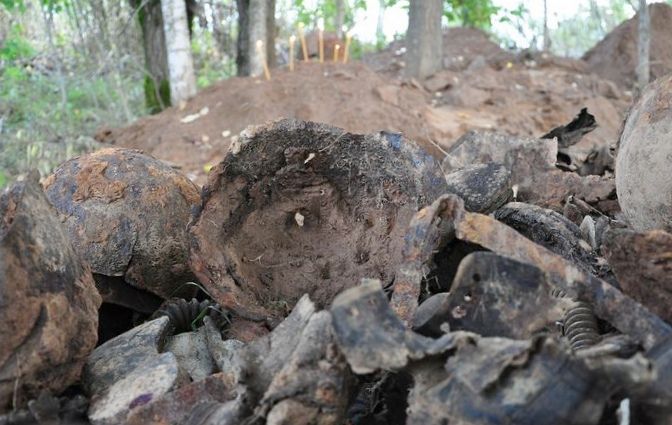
305 208
615 57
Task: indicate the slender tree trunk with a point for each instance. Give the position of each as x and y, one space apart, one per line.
340 17
157 86
48 16
424 38
644 32
258 32
243 42
253 25
547 38
270 33
380 33
178 50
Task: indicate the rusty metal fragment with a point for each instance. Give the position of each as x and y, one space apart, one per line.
430 230
48 301
299 207
483 187
127 214
642 263
388 345
491 381
609 303
533 172
550 230
496 296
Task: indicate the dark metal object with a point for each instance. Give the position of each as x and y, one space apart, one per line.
580 326
127 215
446 219
259 244
497 296
186 316
572 133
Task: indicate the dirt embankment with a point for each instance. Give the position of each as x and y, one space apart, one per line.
615 57
480 87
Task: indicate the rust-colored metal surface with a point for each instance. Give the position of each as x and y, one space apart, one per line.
304 208
48 300
127 214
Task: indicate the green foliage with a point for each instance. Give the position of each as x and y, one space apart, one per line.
210 65
326 10
16 46
471 13
590 24
3 179
156 100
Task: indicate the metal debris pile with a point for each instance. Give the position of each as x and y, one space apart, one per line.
324 277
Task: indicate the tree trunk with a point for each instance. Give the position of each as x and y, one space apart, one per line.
424 38
243 42
270 33
258 32
178 48
253 20
340 17
157 86
643 42
380 33
547 38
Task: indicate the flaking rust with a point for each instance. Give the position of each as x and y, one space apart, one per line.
300 208
127 213
48 301
445 219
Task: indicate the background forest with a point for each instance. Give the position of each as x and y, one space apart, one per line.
71 67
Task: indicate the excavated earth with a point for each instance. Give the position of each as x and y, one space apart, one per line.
480 87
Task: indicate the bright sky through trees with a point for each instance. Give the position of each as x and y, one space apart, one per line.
396 18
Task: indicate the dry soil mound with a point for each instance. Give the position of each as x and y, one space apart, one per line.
460 47
615 57
526 95
347 96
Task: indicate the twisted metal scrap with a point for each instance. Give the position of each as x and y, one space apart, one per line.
434 225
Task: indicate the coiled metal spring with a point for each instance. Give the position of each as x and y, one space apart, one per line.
580 326
579 323
186 316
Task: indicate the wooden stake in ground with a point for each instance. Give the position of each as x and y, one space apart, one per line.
262 59
346 50
336 48
320 28
302 37
292 40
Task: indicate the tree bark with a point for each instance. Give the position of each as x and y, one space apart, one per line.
547 38
178 48
270 33
256 21
157 86
424 38
340 17
257 32
243 42
644 38
380 33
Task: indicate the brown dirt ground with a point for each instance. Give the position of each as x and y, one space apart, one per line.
615 57
487 88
